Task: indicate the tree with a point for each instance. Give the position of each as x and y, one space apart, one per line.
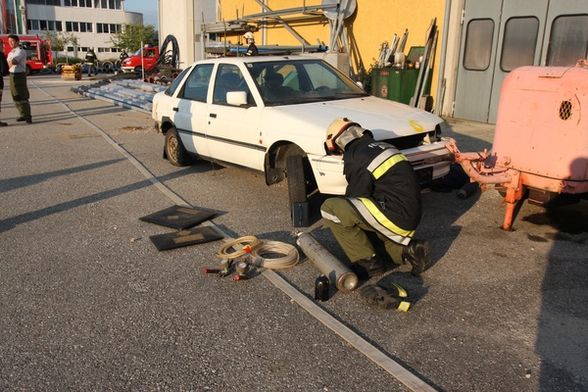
131 36
60 40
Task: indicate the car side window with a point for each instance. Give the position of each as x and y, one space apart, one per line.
196 86
175 83
229 78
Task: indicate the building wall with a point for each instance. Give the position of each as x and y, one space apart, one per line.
101 42
175 19
183 20
373 23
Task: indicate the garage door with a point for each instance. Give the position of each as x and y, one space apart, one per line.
499 36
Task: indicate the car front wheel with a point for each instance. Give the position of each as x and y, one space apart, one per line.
296 179
175 151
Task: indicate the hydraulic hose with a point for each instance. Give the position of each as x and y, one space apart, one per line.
241 246
289 255
273 255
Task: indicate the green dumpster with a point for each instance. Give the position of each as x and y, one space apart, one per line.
397 84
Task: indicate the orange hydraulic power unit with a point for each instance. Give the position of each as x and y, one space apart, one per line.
540 147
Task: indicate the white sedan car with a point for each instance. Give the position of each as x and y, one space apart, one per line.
271 114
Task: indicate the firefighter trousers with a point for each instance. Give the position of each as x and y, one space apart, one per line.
349 228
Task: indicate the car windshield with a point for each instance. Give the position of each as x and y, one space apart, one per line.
301 81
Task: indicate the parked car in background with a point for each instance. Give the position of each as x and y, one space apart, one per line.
271 114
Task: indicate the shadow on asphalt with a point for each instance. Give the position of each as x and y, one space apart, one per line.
10 223
10 184
60 116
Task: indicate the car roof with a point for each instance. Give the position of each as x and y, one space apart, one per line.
256 59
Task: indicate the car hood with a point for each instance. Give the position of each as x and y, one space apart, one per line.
385 119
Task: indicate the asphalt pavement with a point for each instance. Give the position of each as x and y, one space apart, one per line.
88 303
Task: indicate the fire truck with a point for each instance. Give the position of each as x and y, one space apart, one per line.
38 50
135 63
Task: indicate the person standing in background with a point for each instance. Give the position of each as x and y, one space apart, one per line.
91 61
17 62
3 72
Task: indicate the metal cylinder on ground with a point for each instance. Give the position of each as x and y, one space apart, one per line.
345 280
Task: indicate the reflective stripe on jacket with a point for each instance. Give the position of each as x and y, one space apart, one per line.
383 188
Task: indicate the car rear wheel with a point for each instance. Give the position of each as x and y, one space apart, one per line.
175 151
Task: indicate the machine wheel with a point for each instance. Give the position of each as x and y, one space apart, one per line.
29 71
175 152
138 70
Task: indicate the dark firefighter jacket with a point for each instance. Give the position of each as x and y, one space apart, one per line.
383 187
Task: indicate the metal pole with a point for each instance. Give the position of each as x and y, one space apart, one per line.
142 62
439 95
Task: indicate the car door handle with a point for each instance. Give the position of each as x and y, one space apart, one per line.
175 109
213 115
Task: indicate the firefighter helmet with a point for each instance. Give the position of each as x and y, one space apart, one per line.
341 132
248 36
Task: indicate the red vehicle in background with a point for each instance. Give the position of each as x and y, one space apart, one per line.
134 63
38 50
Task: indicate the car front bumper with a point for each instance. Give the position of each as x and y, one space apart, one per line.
430 161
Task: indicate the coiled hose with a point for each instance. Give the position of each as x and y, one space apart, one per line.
261 252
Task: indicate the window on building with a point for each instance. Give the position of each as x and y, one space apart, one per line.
70 48
478 46
58 26
99 28
73 26
50 25
519 43
568 41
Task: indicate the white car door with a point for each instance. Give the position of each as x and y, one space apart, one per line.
191 110
232 132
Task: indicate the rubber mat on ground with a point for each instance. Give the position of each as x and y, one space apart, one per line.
178 217
196 235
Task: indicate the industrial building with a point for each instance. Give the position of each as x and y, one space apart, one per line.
92 21
479 41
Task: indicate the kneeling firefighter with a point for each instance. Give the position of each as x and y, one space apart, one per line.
382 196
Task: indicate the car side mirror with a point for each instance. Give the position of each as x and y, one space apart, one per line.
360 84
237 98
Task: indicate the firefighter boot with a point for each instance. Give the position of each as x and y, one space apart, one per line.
418 254
366 268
